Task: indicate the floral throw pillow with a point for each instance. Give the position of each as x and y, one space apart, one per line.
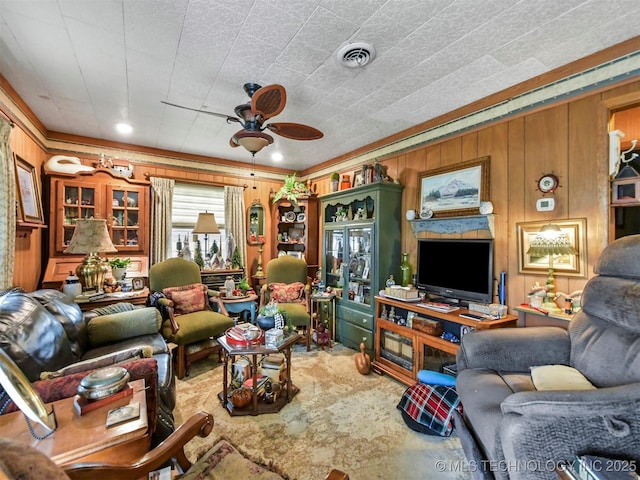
286 292
188 298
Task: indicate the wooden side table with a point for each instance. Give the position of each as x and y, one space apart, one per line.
317 301
85 438
138 297
530 317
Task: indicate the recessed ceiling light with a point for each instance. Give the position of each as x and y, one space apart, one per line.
124 128
276 156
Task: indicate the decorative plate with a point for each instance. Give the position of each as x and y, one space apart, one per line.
290 216
426 214
301 217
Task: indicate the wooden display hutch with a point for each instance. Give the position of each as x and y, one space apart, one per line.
361 234
401 352
124 202
295 229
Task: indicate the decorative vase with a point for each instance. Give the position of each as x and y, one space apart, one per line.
119 273
405 270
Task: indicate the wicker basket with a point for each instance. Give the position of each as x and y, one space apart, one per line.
430 327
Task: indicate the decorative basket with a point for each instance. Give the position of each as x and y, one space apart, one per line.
430 327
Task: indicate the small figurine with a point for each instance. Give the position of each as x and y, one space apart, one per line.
363 361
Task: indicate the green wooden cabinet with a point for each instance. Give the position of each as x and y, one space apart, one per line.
360 249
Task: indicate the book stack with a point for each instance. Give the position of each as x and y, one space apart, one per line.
273 367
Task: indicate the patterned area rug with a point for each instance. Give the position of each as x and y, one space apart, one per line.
340 419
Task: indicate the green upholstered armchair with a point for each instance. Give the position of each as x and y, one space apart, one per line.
189 318
287 283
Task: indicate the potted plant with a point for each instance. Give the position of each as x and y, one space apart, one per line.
335 180
119 267
291 190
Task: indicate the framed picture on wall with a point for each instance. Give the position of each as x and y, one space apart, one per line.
455 190
28 192
569 265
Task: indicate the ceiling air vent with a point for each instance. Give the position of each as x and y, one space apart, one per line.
355 55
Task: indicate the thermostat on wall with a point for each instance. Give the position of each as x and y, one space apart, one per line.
545 204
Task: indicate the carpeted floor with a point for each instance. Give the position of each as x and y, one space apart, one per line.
340 419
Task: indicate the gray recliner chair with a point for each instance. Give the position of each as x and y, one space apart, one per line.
513 430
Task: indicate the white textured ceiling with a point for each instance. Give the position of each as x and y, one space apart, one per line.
84 65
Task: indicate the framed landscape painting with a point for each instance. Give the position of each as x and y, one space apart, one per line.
455 190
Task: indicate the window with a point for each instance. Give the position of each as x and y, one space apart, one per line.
188 201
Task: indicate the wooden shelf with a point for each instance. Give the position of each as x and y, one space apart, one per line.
454 224
25 228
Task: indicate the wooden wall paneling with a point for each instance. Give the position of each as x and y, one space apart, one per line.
451 151
30 248
588 174
546 144
493 142
469 146
518 286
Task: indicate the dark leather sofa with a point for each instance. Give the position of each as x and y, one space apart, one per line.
44 331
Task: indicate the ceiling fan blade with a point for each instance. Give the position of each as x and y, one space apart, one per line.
295 131
269 101
221 115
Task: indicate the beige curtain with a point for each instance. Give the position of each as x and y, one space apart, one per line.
234 220
7 207
161 206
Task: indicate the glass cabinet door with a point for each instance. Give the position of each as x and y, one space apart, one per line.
124 214
334 258
359 243
78 202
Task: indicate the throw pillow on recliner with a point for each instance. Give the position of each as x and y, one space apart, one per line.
187 298
286 292
116 327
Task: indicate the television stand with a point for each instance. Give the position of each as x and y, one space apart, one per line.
401 352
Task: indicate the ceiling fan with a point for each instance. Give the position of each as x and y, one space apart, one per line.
265 103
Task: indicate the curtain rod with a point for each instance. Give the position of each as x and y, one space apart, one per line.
11 122
148 175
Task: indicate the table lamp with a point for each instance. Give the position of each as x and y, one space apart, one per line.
91 237
206 224
551 241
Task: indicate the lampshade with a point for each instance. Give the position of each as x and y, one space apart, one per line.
550 240
206 224
90 236
252 141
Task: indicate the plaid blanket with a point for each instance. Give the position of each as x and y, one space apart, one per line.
431 406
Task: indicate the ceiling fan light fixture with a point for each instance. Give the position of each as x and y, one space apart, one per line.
356 55
253 142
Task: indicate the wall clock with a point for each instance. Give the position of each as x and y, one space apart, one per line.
548 183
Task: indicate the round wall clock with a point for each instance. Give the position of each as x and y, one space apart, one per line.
548 183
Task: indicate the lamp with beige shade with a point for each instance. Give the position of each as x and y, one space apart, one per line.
91 237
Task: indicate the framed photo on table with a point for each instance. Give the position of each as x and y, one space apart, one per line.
455 190
28 192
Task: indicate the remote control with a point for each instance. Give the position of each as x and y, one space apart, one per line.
472 316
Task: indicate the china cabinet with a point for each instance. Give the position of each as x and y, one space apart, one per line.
295 229
361 248
124 202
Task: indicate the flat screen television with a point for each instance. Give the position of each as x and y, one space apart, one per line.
456 269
